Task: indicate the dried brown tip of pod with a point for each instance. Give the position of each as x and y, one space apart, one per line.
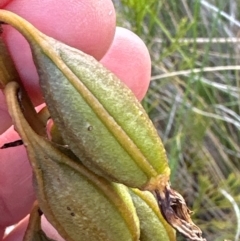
174 209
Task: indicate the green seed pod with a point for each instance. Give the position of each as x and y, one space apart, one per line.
77 202
98 116
152 224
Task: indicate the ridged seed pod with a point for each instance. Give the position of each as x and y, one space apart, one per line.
152 224
77 202
98 116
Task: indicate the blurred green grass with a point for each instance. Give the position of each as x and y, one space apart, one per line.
194 101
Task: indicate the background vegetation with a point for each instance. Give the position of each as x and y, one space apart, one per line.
194 101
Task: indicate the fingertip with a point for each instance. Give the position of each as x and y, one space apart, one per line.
2 231
18 232
85 25
3 3
49 230
129 59
16 190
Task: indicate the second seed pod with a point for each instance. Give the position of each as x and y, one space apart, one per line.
77 202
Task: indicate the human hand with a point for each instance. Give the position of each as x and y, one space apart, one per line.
88 25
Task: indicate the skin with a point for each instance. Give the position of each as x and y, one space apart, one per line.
88 25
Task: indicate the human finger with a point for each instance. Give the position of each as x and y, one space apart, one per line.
16 191
129 59
18 232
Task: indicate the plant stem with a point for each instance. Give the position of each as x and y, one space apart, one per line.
8 71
